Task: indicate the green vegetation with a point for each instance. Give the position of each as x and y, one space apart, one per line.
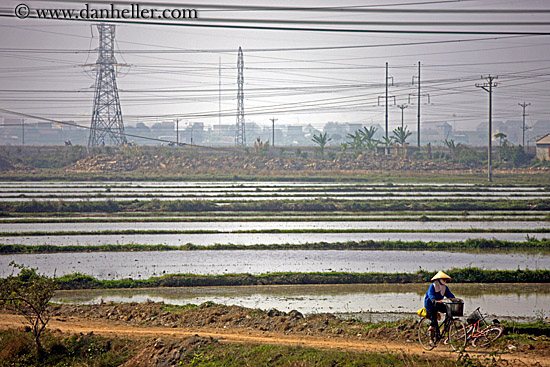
532 244
247 217
97 351
315 205
467 275
16 349
539 328
231 354
28 294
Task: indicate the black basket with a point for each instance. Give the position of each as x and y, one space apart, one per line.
455 306
475 317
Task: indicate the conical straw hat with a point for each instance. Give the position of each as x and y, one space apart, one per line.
441 275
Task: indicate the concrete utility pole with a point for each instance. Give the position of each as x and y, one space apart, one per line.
273 119
402 107
220 94
488 87
418 127
177 132
524 105
386 100
418 115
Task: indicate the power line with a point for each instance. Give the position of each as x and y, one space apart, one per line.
362 9
300 29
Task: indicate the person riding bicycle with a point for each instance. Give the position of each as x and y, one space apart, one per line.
434 296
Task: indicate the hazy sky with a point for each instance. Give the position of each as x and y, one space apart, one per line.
173 71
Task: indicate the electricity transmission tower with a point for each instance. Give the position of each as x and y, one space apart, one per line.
107 115
240 139
488 87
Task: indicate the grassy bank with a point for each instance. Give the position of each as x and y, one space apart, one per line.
17 349
468 245
467 275
314 205
245 217
94 350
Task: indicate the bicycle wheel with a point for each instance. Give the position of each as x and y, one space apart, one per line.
488 335
424 335
457 334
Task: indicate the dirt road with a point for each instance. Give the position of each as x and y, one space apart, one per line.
110 328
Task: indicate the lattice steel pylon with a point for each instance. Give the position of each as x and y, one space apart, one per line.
107 127
240 138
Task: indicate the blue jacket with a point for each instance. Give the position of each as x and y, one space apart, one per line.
432 296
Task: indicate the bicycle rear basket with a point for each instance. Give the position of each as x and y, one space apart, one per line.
456 307
474 317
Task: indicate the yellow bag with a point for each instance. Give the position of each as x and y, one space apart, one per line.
422 312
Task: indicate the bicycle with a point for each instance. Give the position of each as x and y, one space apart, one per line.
451 330
481 333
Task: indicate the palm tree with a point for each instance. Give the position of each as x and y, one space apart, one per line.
367 136
400 135
321 140
355 141
452 147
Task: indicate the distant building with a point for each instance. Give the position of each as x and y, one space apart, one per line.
543 148
294 135
434 134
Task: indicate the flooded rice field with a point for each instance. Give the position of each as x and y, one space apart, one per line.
232 191
274 225
523 300
503 300
487 216
248 239
144 265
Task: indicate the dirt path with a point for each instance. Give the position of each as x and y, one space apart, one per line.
109 328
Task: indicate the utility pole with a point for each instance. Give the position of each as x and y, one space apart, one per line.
488 87
273 119
402 107
524 105
220 94
386 101
418 123
22 131
419 94
177 132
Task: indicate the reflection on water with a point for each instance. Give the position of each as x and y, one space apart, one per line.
273 225
142 265
507 300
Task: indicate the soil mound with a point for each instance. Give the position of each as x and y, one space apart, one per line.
209 315
166 353
248 163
